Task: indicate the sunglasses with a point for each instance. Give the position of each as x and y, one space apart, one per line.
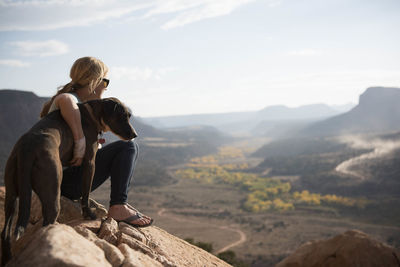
106 82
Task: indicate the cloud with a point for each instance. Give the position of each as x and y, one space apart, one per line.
137 74
14 63
41 49
305 52
195 10
39 15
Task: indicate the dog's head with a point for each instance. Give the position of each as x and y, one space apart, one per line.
115 117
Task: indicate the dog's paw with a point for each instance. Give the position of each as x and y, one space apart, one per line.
88 214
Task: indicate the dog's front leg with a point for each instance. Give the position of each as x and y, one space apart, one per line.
88 168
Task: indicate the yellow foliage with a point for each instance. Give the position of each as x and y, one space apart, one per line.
264 194
272 190
315 199
231 166
228 152
281 205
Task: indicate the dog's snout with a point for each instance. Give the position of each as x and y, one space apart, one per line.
134 133
128 134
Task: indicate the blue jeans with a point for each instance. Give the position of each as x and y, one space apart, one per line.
116 160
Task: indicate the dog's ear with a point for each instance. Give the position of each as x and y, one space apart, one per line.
113 105
109 105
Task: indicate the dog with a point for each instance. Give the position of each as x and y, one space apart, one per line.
38 157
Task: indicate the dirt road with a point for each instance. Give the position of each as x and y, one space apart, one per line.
242 236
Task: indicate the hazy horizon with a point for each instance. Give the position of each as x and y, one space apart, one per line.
337 107
176 57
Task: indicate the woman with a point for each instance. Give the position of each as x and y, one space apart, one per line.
116 160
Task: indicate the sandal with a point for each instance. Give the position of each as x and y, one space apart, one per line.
138 215
137 212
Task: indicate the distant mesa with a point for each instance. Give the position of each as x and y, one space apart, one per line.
378 111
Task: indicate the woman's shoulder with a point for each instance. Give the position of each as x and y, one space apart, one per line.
62 99
64 96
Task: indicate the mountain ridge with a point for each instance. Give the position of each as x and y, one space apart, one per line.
275 112
269 121
377 111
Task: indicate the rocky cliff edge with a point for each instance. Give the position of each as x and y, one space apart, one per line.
102 242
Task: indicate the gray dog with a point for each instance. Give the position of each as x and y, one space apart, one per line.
38 156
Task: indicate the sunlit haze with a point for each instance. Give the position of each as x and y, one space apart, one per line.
173 57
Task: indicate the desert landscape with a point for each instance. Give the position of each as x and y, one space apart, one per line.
213 212
253 198
268 131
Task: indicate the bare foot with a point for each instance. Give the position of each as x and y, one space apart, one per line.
121 212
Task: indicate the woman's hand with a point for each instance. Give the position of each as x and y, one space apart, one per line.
79 151
70 113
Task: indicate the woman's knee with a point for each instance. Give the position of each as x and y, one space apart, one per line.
132 144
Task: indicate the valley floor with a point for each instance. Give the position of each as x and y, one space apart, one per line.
212 214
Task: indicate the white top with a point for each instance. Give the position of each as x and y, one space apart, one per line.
54 106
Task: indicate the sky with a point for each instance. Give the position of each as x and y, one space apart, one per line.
175 57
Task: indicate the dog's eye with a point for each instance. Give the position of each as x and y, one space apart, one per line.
129 115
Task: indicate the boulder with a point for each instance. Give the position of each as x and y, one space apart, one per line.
59 245
71 210
27 237
353 248
112 253
134 244
99 242
133 232
108 230
92 225
134 258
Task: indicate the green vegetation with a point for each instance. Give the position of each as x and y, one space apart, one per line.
229 256
203 245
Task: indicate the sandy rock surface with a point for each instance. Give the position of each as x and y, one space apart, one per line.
101 242
59 245
353 248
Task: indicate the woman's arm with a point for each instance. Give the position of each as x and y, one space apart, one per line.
70 112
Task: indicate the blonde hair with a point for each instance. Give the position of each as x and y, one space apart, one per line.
86 72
